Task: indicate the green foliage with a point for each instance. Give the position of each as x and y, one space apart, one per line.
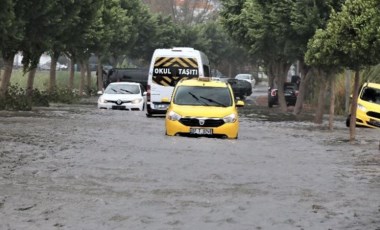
63 95
40 98
351 38
16 98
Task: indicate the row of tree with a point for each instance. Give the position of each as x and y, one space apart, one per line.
325 37
111 30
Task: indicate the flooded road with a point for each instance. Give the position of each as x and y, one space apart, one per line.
77 167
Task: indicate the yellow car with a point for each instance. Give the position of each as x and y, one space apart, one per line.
203 107
368 110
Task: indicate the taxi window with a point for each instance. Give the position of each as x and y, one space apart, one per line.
371 95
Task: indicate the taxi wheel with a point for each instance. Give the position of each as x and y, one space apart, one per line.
348 120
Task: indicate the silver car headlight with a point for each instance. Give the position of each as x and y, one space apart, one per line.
230 118
173 116
362 108
136 101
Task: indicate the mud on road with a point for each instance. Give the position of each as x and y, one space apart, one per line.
77 167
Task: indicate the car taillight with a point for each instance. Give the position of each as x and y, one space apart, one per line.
148 93
296 93
273 92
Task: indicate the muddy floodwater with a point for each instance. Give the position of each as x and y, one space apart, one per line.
77 167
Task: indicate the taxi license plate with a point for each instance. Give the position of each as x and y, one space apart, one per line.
200 131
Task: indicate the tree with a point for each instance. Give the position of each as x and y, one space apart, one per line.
112 33
39 32
351 39
12 33
264 28
62 36
306 18
78 48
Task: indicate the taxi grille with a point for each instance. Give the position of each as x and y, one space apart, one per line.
195 122
373 114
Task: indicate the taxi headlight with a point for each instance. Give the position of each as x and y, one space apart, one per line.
173 116
230 118
136 101
362 108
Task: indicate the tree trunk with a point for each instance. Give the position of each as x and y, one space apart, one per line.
321 100
89 78
354 106
6 77
301 94
99 76
29 86
280 71
305 76
72 73
53 74
332 102
82 77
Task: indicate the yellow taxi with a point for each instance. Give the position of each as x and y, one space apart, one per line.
368 110
203 107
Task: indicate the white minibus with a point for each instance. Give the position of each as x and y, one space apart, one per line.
167 67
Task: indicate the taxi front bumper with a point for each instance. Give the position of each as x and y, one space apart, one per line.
229 130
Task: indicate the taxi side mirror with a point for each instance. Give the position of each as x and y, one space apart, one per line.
240 103
165 100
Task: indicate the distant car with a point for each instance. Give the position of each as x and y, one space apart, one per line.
246 77
47 66
202 107
241 88
368 110
290 92
123 96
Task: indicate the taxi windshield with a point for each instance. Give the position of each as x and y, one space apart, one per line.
371 95
203 96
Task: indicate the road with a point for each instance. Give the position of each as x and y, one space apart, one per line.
77 167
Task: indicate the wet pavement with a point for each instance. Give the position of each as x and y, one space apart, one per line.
77 167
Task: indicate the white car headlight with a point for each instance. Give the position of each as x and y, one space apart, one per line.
173 116
362 108
102 100
230 118
136 101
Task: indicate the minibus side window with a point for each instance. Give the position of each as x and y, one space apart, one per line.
206 70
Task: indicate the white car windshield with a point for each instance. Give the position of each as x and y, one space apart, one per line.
122 89
243 76
203 96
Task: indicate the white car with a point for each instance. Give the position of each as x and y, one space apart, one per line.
123 96
247 77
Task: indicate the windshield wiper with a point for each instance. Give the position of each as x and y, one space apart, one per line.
196 98
125 90
213 101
